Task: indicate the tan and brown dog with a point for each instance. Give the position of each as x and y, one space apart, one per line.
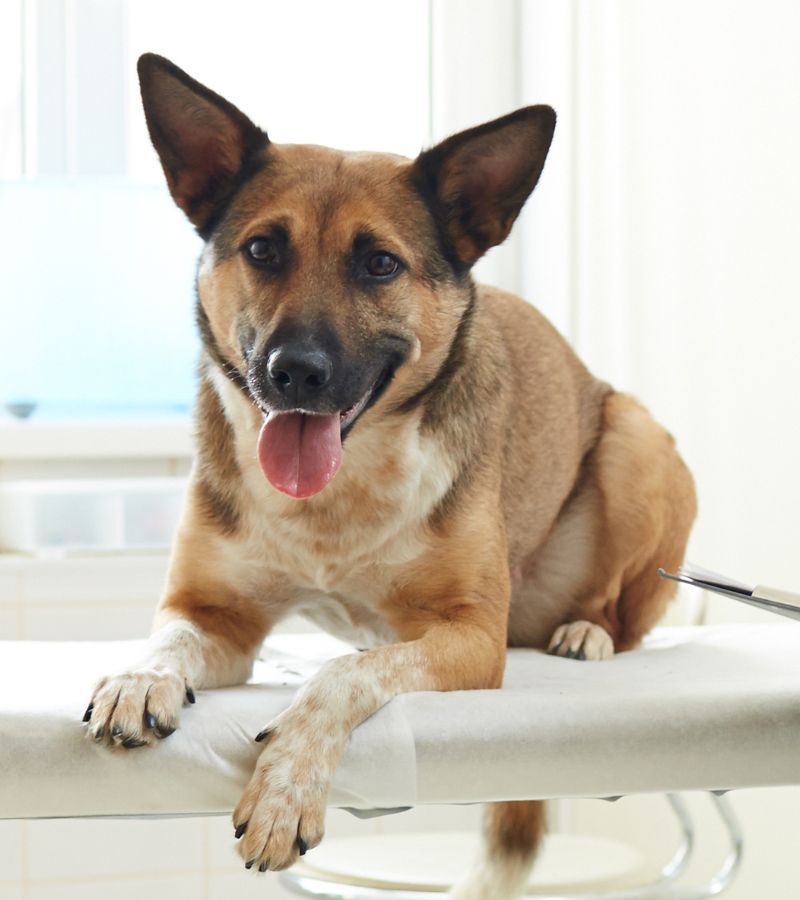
490 490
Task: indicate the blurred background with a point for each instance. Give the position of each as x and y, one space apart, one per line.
662 241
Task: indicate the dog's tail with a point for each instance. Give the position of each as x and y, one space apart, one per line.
512 832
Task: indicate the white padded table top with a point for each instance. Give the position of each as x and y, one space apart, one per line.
696 708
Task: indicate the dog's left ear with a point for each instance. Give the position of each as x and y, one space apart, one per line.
203 141
477 181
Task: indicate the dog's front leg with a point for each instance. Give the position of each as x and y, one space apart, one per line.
203 638
282 810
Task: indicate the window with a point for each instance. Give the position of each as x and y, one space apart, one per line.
96 264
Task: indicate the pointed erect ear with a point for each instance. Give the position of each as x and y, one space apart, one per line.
477 181
204 142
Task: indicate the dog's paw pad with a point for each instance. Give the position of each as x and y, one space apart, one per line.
581 640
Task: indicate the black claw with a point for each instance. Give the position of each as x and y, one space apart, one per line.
263 735
302 846
99 734
555 649
87 716
163 731
249 864
571 654
190 695
132 743
264 866
116 731
240 830
150 720
581 653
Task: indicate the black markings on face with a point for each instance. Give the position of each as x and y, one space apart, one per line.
437 386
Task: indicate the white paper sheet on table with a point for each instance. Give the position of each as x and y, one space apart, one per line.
696 708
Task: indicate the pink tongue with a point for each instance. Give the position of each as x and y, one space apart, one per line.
300 454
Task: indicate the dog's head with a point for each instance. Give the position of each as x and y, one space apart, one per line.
332 284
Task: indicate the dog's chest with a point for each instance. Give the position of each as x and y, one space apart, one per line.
343 556
340 583
350 617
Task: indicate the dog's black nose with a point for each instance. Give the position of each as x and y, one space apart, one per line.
299 372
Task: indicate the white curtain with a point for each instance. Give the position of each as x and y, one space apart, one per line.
663 240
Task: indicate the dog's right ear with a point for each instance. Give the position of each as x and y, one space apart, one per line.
476 182
203 141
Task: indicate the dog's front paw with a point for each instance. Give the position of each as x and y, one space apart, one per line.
282 811
581 640
131 709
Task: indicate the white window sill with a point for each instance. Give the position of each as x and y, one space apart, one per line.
93 439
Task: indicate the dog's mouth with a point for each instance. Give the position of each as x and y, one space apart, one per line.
300 451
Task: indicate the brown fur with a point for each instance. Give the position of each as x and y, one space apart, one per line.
217 473
495 492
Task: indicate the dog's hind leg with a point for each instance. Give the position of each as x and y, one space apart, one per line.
581 640
648 506
593 589
512 832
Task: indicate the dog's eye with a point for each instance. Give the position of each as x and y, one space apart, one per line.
264 251
382 265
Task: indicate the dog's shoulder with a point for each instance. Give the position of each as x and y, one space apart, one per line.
543 375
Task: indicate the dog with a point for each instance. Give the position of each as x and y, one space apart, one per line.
418 464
